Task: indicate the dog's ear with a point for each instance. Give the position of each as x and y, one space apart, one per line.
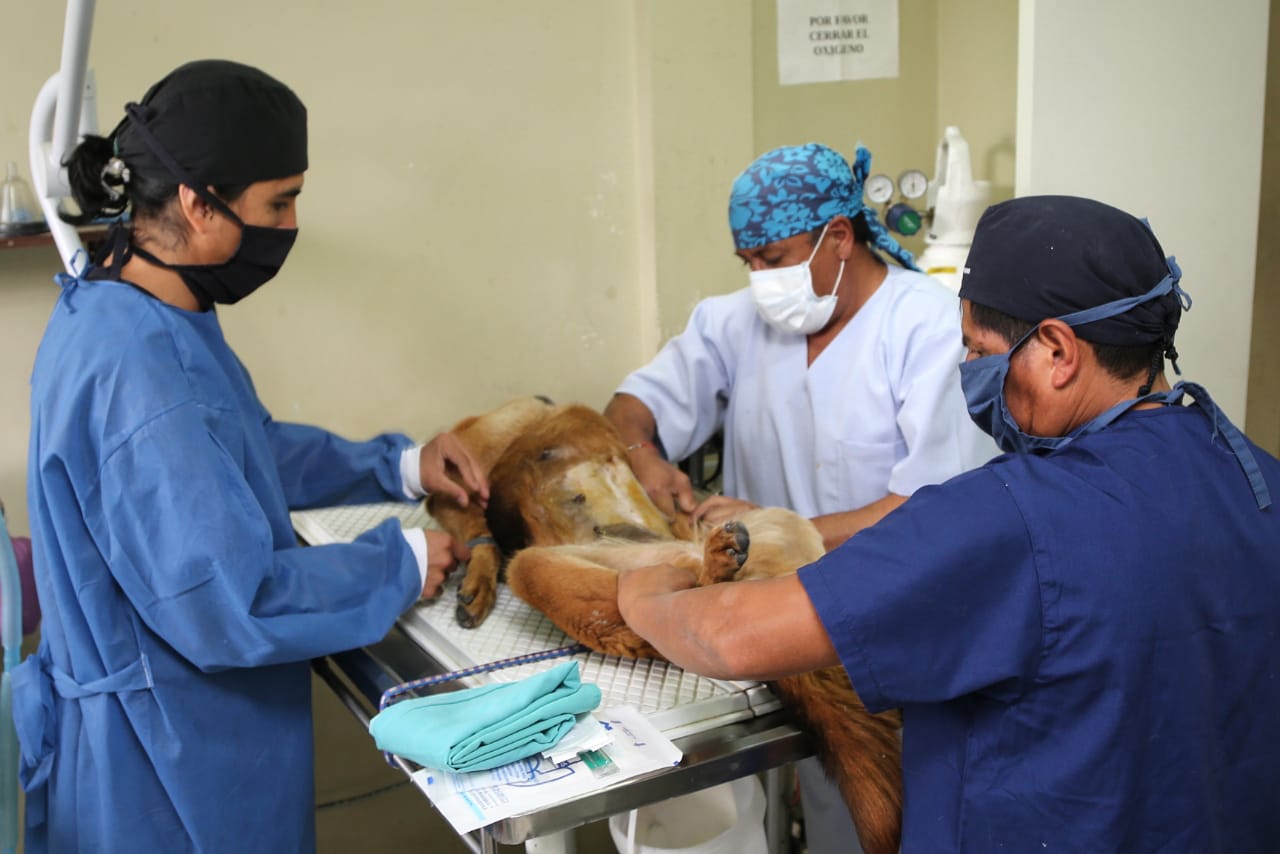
506 522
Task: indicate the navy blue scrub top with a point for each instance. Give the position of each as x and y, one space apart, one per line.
1084 645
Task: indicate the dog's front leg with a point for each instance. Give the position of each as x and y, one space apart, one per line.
479 588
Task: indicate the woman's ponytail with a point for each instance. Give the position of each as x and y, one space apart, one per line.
99 191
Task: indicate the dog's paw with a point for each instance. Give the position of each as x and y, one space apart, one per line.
479 588
726 552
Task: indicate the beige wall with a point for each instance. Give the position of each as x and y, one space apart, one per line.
896 118
699 71
957 66
497 191
495 194
977 84
705 135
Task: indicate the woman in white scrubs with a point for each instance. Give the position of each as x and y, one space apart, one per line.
833 376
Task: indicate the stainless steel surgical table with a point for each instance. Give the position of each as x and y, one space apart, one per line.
725 730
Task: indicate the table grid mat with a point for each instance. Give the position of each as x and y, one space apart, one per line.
678 702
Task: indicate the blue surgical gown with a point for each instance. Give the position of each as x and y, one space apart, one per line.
1085 646
168 707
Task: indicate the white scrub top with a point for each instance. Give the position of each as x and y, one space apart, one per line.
879 411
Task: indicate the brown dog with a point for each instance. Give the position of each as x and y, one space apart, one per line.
566 509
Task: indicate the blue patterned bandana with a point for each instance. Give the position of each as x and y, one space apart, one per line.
799 188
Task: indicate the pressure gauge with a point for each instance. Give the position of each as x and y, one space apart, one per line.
913 183
879 188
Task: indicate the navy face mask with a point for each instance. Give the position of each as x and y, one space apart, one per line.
982 380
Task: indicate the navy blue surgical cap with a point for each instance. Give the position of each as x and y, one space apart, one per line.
222 122
1047 256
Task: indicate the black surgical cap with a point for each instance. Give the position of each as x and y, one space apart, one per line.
1046 256
223 122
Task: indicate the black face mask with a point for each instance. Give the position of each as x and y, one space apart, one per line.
255 262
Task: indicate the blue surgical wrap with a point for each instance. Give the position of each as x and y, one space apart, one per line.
798 188
480 728
168 707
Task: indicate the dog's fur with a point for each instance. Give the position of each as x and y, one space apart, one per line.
567 511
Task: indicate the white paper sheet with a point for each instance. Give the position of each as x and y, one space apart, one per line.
587 734
472 801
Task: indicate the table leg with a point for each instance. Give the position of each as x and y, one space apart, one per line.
555 843
776 820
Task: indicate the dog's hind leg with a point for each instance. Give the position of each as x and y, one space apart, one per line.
579 596
577 588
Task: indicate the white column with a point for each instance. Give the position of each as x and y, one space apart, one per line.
1156 107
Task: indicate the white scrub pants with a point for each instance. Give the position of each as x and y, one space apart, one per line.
828 829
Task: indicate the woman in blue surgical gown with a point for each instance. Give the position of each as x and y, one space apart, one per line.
168 706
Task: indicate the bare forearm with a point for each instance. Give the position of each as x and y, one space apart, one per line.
838 527
668 487
632 419
682 627
746 630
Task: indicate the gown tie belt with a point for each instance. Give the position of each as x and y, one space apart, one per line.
35 716
135 677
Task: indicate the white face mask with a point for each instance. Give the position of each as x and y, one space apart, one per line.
785 298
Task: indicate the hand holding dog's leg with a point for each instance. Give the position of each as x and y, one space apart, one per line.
443 555
721 508
668 487
445 453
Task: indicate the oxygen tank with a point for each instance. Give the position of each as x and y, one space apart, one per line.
956 202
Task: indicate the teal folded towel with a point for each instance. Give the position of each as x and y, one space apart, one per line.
480 728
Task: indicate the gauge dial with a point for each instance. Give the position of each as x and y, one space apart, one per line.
879 188
913 183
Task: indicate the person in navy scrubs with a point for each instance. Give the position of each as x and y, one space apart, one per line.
1082 634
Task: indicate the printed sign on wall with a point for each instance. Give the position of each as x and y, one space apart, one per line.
820 41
